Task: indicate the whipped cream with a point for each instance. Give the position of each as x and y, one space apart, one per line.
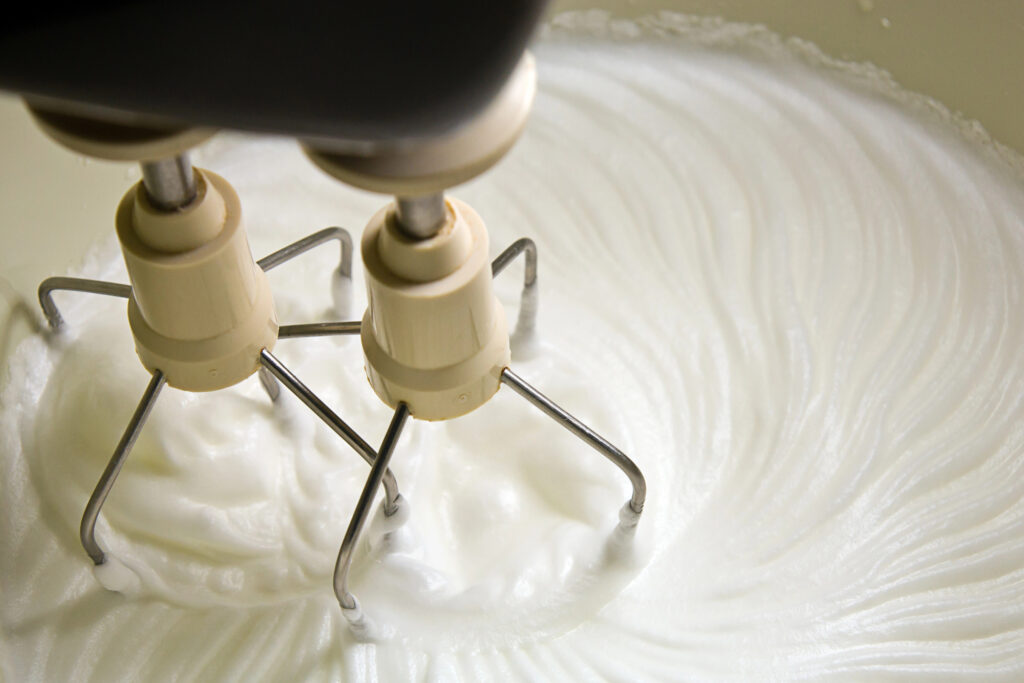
789 291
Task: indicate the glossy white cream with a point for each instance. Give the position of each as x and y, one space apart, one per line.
791 292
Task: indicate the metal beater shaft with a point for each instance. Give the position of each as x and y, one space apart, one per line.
74 284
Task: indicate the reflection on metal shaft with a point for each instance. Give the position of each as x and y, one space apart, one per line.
528 305
169 183
307 243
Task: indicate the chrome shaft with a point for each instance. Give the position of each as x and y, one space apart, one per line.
169 183
74 284
421 217
319 329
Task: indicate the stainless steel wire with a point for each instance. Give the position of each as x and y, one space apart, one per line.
392 499
589 436
87 530
421 217
270 383
170 183
318 329
527 321
523 245
348 602
74 284
288 253
309 242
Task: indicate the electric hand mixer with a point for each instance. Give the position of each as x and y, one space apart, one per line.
434 336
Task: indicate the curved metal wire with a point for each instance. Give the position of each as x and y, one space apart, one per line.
527 320
74 284
348 602
306 243
592 438
87 530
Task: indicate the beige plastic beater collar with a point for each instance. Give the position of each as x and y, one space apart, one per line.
201 309
434 335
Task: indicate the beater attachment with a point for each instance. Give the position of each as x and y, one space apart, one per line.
629 515
434 336
199 307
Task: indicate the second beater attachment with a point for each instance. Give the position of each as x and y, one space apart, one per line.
434 336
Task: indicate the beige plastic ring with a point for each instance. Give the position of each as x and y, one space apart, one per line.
428 166
115 141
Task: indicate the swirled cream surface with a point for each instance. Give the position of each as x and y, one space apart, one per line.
791 293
